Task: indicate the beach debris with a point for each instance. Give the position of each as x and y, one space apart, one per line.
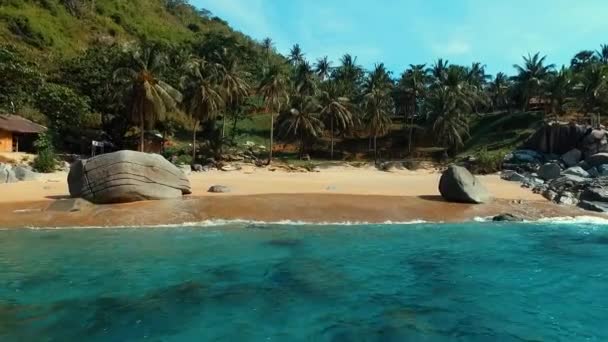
126 176
218 189
507 218
549 171
457 184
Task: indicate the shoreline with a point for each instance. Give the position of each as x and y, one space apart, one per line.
301 208
335 195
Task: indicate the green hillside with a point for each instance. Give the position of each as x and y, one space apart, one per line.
62 28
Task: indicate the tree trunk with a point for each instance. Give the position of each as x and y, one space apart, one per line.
271 138
301 144
375 149
332 138
142 128
236 119
409 143
223 125
194 141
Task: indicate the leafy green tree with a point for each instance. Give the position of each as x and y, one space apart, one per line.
349 76
46 159
532 77
274 90
147 98
583 59
301 122
602 54
203 93
64 108
439 71
19 80
335 110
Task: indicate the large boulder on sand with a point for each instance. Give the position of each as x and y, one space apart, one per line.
549 171
126 176
457 184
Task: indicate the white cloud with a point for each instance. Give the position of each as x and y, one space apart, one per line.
453 47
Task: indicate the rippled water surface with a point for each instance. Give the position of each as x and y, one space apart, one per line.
468 282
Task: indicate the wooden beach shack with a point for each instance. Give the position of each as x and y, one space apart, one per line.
17 134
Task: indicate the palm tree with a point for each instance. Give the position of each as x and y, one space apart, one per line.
559 87
532 77
498 90
592 89
202 85
582 59
349 76
147 97
602 54
304 80
335 110
439 70
273 89
323 68
268 47
410 89
477 76
447 113
301 122
296 56
234 88
378 104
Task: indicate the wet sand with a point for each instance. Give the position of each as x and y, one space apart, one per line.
314 208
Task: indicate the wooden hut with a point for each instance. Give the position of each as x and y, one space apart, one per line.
17 134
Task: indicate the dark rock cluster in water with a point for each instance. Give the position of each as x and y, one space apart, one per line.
578 175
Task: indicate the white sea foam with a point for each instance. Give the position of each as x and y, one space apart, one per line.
244 223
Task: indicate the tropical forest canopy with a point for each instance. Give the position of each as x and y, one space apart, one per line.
114 69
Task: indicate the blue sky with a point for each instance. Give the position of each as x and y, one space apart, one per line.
401 32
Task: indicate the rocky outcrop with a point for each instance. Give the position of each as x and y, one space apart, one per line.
457 184
126 176
24 174
572 157
507 218
560 138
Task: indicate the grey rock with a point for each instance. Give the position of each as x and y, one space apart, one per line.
527 156
219 189
197 168
567 198
597 159
507 218
7 174
584 165
549 171
595 194
533 182
457 184
577 171
126 176
550 195
602 170
24 174
593 172
600 207
186 169
572 157
512 176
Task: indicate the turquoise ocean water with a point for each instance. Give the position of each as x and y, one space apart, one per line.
255 282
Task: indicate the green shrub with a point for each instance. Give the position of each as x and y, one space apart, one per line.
489 161
46 160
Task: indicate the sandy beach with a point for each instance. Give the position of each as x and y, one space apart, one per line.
340 194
